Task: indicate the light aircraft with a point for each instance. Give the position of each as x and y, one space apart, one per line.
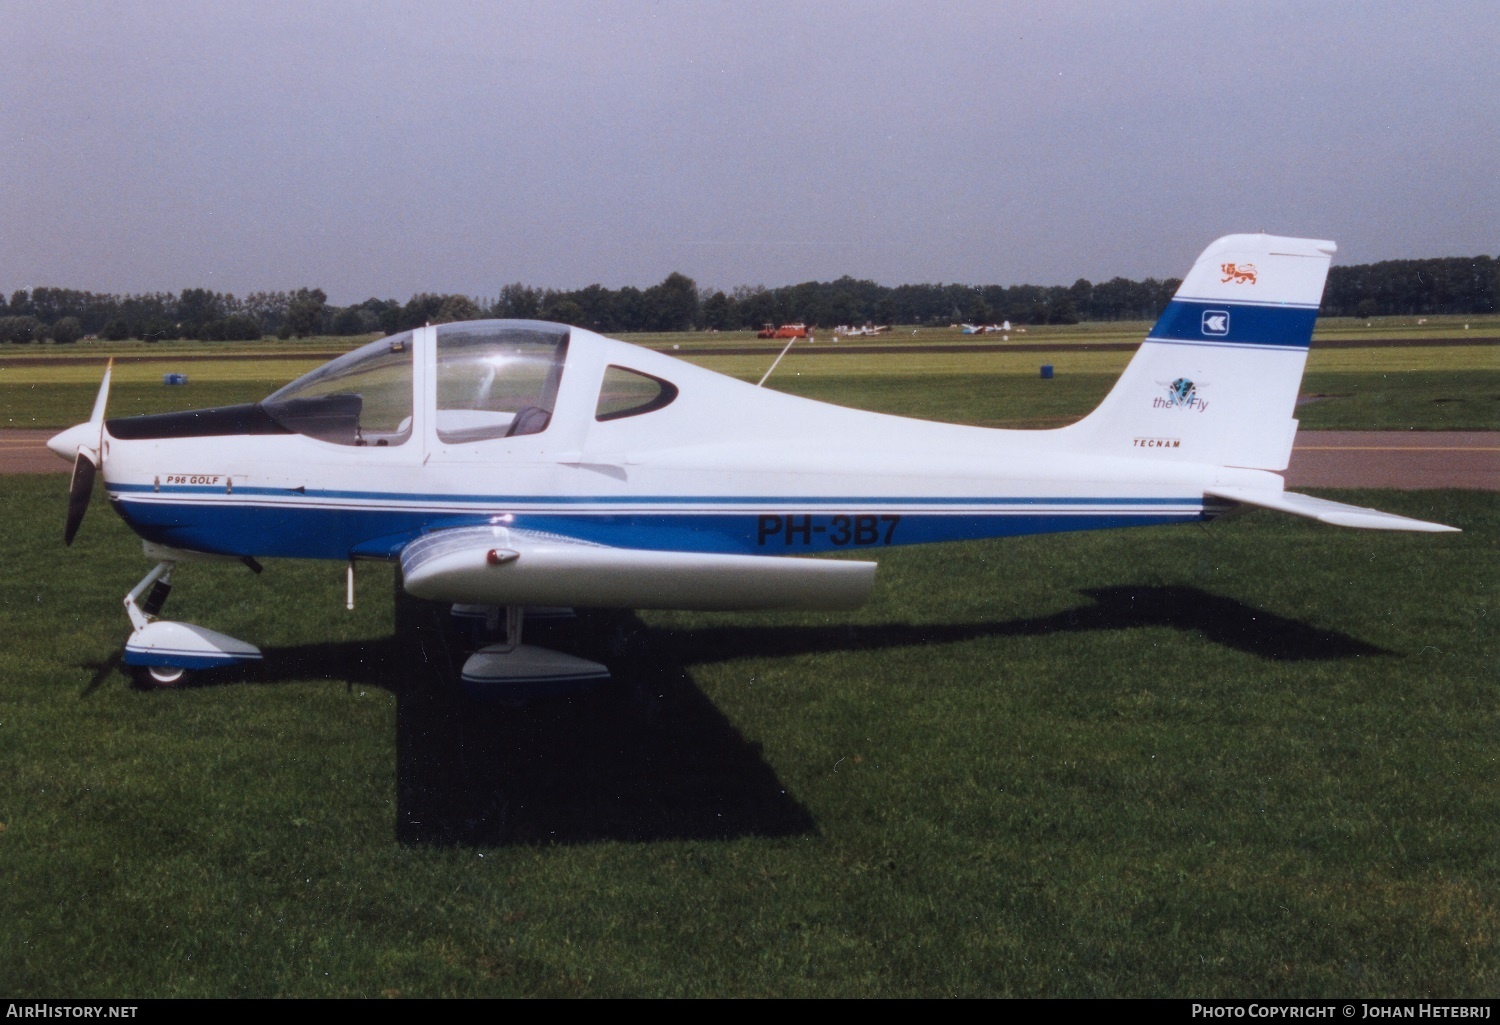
985 329
514 464
868 331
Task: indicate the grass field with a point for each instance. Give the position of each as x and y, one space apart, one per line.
1255 759
1426 387
1089 333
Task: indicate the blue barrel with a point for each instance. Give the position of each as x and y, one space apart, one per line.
1046 371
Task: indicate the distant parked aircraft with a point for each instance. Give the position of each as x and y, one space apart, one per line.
784 331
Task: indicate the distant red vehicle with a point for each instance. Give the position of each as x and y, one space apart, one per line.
784 331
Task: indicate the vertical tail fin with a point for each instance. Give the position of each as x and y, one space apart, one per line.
1216 380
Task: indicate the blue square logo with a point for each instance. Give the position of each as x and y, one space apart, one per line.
1216 323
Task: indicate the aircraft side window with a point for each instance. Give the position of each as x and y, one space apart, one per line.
497 381
627 392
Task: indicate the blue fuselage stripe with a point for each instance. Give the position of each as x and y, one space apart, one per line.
780 526
430 501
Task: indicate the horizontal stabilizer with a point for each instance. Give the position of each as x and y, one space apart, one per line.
501 566
1324 511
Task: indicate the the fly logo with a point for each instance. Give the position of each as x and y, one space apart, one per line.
1216 323
1239 273
1181 394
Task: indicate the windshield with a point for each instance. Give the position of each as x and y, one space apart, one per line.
362 398
497 379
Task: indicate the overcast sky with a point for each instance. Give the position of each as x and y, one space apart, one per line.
376 147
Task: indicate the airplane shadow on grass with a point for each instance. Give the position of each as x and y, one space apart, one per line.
645 757
648 756
1220 620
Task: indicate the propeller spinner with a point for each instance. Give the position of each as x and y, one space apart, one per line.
84 445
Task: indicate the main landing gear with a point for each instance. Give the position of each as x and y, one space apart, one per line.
161 653
509 671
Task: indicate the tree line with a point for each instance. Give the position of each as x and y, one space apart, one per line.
1448 285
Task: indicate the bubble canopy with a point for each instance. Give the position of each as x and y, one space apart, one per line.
497 380
494 380
362 398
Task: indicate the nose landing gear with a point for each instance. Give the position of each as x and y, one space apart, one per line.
161 653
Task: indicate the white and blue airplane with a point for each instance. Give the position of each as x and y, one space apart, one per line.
514 464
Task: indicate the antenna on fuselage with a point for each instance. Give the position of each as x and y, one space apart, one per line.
789 342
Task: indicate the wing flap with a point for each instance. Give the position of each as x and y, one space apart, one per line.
503 566
1323 510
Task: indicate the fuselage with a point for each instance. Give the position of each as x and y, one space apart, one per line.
635 449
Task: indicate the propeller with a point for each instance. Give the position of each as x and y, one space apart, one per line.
80 490
84 444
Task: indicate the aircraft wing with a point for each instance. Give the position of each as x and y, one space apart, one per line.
495 565
1324 511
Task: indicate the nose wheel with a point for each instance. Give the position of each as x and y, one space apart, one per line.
157 677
